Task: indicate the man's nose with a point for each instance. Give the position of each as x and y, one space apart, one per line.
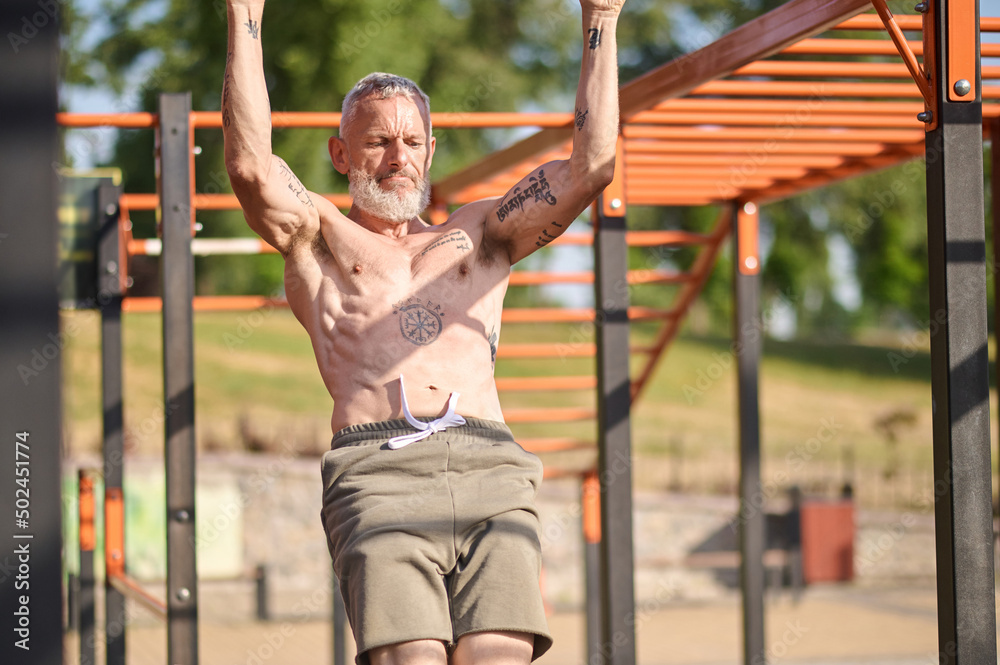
397 155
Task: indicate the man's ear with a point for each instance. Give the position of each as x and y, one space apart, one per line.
431 145
338 154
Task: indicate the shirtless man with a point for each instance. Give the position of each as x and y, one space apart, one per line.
436 543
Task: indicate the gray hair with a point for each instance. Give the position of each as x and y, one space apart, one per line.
381 86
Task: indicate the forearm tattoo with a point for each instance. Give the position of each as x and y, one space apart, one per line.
544 238
537 190
225 92
420 321
253 27
595 37
295 186
581 117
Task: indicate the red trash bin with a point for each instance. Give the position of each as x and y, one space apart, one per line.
827 530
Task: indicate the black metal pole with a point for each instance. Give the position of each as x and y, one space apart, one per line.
614 457
747 336
109 301
177 269
31 344
959 358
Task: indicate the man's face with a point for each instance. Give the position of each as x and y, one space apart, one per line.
389 155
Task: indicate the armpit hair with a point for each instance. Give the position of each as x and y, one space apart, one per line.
491 248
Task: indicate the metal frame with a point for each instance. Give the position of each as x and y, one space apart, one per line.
657 146
177 267
959 358
748 338
31 352
110 268
614 437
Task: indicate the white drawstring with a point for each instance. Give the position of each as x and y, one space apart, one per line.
449 419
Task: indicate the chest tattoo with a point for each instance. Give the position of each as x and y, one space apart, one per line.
420 320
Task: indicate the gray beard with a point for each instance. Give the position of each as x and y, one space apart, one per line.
389 206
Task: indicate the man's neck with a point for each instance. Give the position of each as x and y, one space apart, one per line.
377 225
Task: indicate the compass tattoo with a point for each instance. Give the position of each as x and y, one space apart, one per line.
419 320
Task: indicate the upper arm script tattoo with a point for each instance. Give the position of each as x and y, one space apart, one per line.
544 238
295 185
537 190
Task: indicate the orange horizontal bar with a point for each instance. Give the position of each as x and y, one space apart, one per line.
794 106
301 119
837 69
549 415
205 303
532 383
546 314
911 22
668 159
123 120
750 149
770 134
554 350
820 89
212 201
532 278
554 444
762 170
140 201
820 46
812 89
778 122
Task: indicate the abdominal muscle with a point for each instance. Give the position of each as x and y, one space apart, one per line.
364 380
363 345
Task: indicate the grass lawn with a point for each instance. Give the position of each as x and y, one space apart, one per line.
257 385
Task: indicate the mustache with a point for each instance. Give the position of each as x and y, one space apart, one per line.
393 174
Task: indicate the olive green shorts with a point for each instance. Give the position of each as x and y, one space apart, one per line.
437 539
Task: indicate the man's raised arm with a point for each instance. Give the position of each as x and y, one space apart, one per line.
275 204
540 207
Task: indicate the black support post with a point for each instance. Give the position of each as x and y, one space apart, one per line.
31 343
959 358
747 338
614 460
109 301
177 270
